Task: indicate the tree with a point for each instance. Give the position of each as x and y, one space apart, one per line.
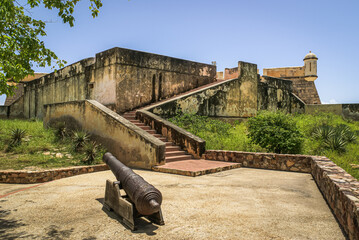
21 47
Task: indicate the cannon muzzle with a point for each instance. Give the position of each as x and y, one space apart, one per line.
146 198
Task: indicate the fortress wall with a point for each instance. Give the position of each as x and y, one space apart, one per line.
274 94
140 149
67 84
284 72
231 98
140 78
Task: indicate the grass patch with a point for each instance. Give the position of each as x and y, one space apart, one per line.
40 148
224 136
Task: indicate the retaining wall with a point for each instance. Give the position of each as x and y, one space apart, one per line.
349 111
130 144
22 176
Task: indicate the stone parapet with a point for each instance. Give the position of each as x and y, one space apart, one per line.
22 176
340 189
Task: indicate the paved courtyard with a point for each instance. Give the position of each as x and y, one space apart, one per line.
236 204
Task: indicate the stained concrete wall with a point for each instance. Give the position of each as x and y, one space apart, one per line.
129 143
231 98
15 110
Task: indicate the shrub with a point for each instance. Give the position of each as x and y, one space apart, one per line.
275 131
80 138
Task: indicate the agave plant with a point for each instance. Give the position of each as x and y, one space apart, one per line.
336 141
335 138
17 135
80 138
91 149
323 132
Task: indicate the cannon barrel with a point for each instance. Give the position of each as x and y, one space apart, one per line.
146 197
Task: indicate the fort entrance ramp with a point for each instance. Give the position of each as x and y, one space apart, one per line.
241 203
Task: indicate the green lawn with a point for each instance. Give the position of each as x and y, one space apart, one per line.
224 136
39 149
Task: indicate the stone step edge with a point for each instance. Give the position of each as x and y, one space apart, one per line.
194 173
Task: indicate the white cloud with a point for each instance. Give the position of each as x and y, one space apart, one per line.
331 101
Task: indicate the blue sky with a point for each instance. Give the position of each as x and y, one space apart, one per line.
274 33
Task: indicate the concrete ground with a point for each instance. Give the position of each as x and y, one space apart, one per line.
236 204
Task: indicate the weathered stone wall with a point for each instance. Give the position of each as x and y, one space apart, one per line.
230 98
129 143
23 176
231 73
186 140
339 188
349 111
297 105
67 84
274 94
15 110
284 162
143 78
120 79
305 90
3 111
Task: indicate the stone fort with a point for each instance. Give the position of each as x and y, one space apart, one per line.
126 94
123 98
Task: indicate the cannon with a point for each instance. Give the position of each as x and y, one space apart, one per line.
141 198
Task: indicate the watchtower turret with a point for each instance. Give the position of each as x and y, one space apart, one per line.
310 66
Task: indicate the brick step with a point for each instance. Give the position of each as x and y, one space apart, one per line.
172 148
130 118
153 132
139 124
178 158
168 144
145 127
163 139
175 153
135 121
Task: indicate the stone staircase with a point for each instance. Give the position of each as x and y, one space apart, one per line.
173 152
178 161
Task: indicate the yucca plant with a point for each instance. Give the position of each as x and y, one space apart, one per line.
80 138
17 135
91 149
336 142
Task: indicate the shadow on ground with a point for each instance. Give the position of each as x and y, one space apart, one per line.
142 225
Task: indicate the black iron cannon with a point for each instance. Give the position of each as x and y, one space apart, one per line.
146 198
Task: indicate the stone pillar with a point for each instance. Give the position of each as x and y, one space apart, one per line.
247 74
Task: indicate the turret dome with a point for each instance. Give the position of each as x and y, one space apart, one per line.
310 55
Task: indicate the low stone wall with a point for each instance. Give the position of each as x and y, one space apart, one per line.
133 146
339 188
284 162
349 111
186 140
23 176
